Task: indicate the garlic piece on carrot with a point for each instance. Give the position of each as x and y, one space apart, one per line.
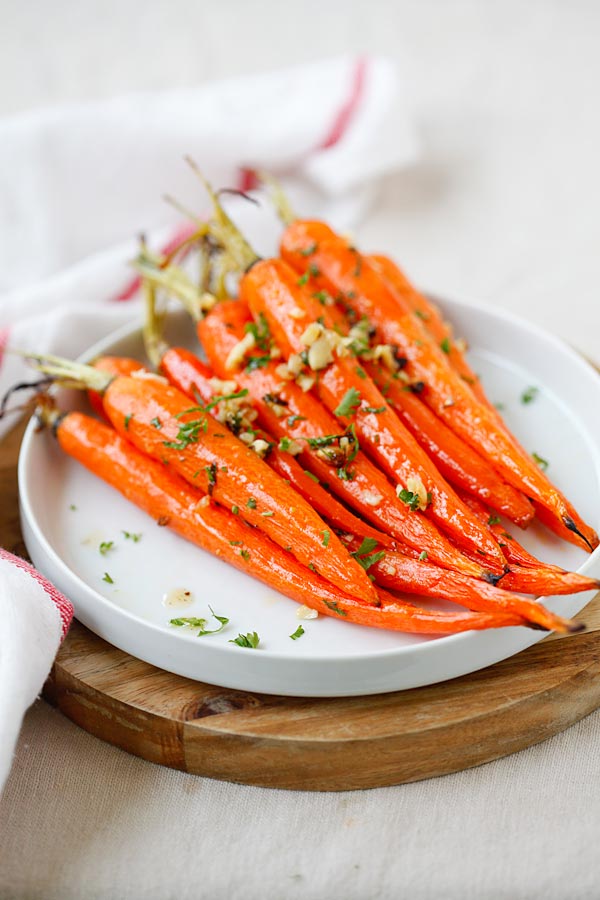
143 375
260 447
295 364
305 382
416 486
319 354
297 313
371 498
311 334
204 502
237 353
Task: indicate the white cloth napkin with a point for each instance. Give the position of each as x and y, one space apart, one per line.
78 183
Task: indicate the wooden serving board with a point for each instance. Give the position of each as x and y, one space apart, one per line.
306 744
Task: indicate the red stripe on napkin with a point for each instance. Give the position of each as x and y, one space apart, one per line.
346 113
64 606
4 335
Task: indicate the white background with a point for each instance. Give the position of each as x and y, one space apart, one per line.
503 208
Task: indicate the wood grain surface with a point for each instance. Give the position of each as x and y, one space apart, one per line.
308 744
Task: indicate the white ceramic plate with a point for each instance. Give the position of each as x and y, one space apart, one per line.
333 658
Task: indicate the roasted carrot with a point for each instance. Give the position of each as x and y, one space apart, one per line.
397 571
528 574
299 416
271 290
462 466
116 365
195 379
341 270
412 300
157 419
172 502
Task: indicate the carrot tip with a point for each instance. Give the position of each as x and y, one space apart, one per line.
570 524
536 626
575 627
491 578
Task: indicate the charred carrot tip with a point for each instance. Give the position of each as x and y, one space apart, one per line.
575 627
570 524
491 578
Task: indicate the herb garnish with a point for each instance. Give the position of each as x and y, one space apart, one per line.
251 504
245 555
326 535
529 395
193 622
411 500
216 400
375 409
298 633
250 640
130 536
257 362
350 403
308 251
293 419
541 462
260 331
423 555
445 345
494 520
105 546
72 507
189 433
332 604
126 421
156 422
211 474
364 557
311 476
107 578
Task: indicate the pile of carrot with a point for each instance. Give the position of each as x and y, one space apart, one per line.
335 443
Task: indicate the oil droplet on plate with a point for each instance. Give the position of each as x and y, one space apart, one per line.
177 598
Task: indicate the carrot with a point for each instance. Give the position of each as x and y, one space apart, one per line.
271 290
528 574
412 300
343 271
116 365
462 466
172 502
158 420
398 572
195 379
360 483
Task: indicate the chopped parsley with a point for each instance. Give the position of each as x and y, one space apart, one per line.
251 504
303 279
211 474
107 578
189 433
326 535
540 461
131 536
364 557
375 409
260 331
423 555
308 251
529 395
311 476
127 420
499 406
360 372
216 400
411 500
235 510
250 640
257 362
105 546
324 298
293 419
332 604
72 507
445 345
193 622
298 633
350 403
245 555
421 315
494 520
156 422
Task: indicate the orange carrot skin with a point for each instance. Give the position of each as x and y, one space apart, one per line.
193 377
429 313
341 270
398 572
170 500
462 466
232 473
271 289
115 365
218 333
